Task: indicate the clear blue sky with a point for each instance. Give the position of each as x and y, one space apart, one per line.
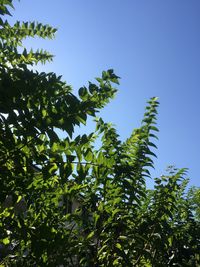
154 46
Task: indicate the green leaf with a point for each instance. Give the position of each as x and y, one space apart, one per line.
83 93
19 199
6 241
118 245
53 168
90 235
122 237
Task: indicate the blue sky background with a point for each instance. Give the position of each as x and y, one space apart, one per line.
154 46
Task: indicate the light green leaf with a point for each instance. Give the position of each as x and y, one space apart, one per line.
6 241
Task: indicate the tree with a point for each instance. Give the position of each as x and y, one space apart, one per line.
118 221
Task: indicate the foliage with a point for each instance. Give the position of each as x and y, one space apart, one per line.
117 220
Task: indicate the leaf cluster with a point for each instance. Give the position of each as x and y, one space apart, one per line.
81 200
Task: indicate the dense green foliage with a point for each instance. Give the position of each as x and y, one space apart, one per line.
117 220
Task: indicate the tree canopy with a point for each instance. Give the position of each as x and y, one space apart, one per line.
117 221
